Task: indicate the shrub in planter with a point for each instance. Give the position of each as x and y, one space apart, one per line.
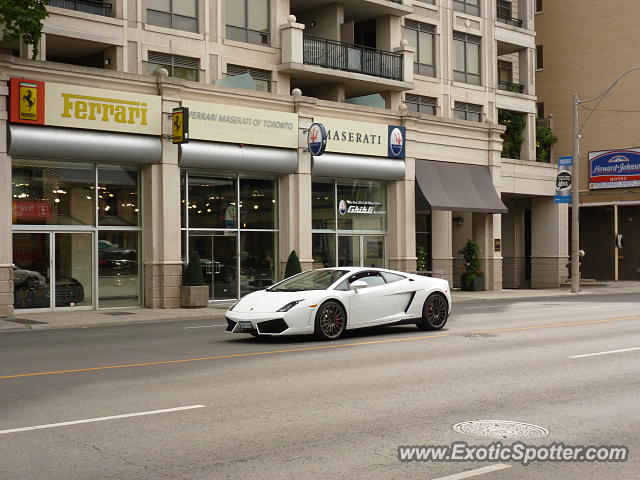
194 293
472 274
293 265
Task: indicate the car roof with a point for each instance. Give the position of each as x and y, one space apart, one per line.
360 269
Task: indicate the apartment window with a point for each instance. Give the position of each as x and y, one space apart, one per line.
539 57
248 21
178 14
421 104
505 71
504 9
472 7
538 6
261 77
467 58
177 66
467 111
430 2
421 36
540 109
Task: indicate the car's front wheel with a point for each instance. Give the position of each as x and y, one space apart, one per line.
331 321
434 313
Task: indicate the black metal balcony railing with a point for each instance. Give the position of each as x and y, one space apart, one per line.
97 7
516 22
352 58
543 122
511 87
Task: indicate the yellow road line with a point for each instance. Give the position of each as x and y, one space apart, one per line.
320 347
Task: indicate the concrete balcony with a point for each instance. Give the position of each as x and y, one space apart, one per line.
358 9
95 7
360 70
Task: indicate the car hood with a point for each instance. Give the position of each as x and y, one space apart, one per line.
268 302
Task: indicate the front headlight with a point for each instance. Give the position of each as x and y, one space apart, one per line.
289 306
234 305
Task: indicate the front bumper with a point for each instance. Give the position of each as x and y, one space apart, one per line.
294 322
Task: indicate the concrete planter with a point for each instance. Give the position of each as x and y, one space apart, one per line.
194 297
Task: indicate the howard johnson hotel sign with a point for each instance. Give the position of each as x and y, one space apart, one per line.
361 138
614 169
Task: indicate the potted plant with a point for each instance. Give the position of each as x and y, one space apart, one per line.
293 265
193 292
472 277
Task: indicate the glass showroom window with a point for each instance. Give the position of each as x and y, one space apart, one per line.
231 222
349 222
248 21
70 216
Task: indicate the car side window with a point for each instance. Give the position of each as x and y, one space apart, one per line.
392 277
343 286
373 279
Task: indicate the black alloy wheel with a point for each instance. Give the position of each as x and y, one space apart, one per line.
434 313
331 321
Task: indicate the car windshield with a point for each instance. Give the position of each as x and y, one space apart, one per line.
311 280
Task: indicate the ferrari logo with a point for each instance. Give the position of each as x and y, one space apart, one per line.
180 125
28 102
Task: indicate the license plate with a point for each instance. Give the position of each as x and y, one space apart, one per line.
246 326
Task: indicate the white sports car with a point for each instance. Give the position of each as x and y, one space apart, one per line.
329 301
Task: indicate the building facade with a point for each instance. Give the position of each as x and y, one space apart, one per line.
430 113
575 60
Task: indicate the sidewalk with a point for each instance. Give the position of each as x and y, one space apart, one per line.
215 313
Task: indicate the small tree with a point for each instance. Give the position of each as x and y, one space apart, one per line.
22 20
471 254
544 140
293 265
193 273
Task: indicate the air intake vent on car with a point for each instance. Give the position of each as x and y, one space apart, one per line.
230 325
273 326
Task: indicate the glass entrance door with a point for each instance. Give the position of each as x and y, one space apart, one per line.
361 251
53 270
219 263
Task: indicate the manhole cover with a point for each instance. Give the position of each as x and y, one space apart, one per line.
476 335
500 429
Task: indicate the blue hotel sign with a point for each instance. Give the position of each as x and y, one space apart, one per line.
614 169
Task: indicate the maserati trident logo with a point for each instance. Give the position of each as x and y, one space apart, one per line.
342 207
317 139
396 141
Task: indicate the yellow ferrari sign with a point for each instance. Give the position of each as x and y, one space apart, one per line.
180 125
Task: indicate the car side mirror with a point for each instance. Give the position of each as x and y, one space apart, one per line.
358 284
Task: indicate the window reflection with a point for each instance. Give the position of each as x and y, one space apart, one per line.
324 250
362 205
212 202
53 193
323 205
257 261
118 279
117 196
257 203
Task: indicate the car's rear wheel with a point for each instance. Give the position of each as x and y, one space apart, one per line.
434 312
331 321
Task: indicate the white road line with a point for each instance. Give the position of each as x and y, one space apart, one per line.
99 419
206 326
476 472
605 353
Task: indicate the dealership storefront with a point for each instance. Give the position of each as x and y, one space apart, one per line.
76 203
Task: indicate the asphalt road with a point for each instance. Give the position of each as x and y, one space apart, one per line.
295 408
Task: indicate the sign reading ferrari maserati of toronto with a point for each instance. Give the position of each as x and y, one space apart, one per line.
229 123
362 138
614 169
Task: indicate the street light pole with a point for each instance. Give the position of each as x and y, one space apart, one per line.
575 201
575 178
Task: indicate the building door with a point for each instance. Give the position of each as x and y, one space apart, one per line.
219 263
361 251
54 270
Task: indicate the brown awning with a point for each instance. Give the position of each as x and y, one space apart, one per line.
458 187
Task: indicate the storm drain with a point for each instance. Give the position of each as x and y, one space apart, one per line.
476 335
24 321
115 314
500 429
